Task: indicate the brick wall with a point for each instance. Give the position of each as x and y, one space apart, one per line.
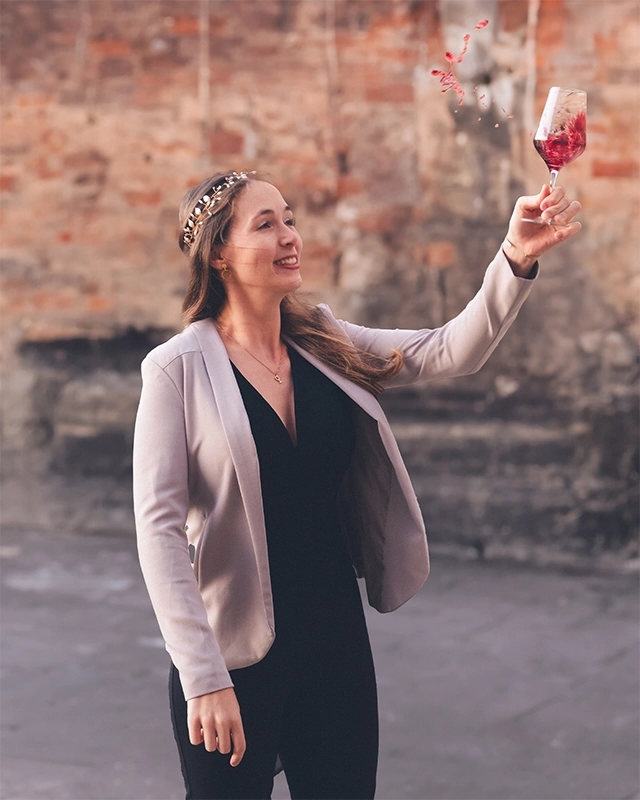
111 109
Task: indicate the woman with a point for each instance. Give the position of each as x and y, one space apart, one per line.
266 476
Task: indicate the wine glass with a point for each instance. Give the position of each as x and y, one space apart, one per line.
562 132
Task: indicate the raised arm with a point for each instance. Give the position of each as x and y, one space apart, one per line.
462 345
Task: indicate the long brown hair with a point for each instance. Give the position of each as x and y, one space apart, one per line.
303 323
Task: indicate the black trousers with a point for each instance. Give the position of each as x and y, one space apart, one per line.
312 701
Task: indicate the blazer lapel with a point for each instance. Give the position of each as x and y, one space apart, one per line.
240 439
364 399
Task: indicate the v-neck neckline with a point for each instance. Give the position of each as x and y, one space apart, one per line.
294 443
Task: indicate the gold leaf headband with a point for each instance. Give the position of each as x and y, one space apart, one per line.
204 206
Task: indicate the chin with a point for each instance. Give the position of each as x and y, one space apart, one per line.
295 282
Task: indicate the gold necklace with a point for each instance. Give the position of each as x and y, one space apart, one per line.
276 376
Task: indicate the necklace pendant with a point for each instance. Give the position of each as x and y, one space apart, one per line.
277 378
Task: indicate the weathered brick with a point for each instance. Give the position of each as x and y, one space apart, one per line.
399 21
512 15
385 220
98 303
45 168
115 68
53 301
437 254
150 197
31 100
349 185
615 169
184 26
392 93
110 48
226 143
318 267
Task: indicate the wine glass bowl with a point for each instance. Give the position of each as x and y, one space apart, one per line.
562 131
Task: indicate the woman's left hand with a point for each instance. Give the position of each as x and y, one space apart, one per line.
527 241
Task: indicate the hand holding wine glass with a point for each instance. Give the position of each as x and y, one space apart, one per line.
524 244
561 136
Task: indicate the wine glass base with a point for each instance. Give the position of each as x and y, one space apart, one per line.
545 222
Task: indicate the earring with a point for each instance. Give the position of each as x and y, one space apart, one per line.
225 272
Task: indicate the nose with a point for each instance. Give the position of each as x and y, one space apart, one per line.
288 235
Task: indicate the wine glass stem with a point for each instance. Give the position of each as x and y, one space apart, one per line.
553 177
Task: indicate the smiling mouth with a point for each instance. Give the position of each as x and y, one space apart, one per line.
289 261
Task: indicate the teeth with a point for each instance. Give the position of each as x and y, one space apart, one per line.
289 260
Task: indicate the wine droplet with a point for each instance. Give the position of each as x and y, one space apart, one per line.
447 79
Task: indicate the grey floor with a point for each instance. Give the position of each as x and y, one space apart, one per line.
496 682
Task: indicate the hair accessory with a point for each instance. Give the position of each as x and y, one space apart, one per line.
203 208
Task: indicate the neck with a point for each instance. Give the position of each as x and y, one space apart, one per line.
253 324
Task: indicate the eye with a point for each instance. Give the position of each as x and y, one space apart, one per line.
264 225
291 222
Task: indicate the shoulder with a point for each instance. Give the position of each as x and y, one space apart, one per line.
173 353
330 318
326 311
182 344
350 332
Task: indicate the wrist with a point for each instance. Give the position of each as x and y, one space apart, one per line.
522 263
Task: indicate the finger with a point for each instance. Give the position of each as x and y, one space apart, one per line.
573 209
224 738
544 192
565 216
567 231
554 197
195 730
557 208
239 745
210 740
532 203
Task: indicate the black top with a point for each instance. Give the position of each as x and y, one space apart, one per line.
308 558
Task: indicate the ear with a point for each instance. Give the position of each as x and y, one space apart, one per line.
217 261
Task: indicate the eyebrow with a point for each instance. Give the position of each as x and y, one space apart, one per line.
269 211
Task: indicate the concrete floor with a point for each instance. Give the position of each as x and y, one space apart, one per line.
497 681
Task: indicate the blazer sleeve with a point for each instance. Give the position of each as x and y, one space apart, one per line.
161 503
462 345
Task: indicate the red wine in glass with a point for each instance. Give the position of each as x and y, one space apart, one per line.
562 132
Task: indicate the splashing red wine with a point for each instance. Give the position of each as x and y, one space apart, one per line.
447 79
565 145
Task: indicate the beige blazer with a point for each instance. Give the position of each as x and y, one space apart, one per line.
197 481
